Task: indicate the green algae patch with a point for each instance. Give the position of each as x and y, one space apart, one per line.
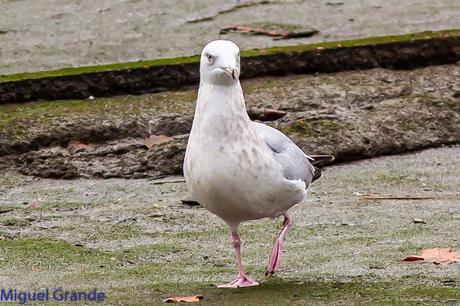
99 68
6 208
48 254
316 128
14 222
378 40
47 111
58 122
406 51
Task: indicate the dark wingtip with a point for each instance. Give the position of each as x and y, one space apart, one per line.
316 174
322 159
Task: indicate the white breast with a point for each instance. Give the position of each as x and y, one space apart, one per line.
228 168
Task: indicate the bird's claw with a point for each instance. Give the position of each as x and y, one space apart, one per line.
239 282
269 273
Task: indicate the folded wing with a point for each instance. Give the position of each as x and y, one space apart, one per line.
295 163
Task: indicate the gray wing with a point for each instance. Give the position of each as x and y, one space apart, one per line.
296 164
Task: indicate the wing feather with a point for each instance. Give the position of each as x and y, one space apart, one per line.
295 163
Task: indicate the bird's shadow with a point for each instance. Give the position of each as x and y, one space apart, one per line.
280 291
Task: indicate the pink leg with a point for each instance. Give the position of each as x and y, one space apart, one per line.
242 280
275 256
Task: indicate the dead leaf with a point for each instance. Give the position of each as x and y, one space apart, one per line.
184 299
33 205
76 146
368 197
154 140
440 256
265 114
418 220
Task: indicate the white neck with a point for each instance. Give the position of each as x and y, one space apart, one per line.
226 100
220 109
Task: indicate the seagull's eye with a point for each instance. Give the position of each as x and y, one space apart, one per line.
210 57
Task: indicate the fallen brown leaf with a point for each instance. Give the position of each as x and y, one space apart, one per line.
184 299
32 205
418 221
368 197
442 256
265 114
154 140
76 146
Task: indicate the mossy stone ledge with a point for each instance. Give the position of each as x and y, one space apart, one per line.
396 51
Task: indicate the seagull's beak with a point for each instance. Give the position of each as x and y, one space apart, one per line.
229 71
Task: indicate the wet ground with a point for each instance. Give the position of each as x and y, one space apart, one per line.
136 241
48 34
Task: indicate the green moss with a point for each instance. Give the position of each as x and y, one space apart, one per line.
14 222
6 208
441 102
210 233
408 247
10 179
48 255
99 68
411 231
246 53
361 240
393 176
32 118
117 232
298 126
353 42
5 235
149 273
59 206
317 128
157 248
276 292
272 26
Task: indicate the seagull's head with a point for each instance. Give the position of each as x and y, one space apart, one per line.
220 63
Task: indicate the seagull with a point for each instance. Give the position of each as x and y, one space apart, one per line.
239 169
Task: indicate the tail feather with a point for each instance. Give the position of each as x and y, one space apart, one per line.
320 160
